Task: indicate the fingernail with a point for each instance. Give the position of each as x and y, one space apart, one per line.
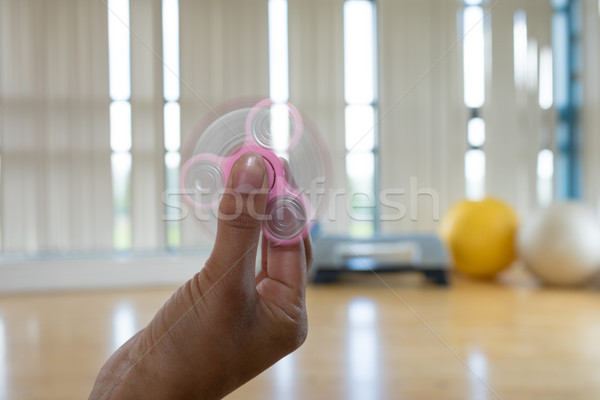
249 173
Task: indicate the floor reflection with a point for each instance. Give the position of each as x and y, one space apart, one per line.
3 362
284 378
123 324
478 375
32 327
363 351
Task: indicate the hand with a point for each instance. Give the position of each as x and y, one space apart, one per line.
225 325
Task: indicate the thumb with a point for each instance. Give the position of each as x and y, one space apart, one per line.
241 213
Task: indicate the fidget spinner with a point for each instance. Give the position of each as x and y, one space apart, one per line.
297 161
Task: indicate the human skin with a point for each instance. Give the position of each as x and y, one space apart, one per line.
226 324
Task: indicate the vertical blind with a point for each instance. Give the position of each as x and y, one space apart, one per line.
54 105
224 55
56 190
422 113
316 40
515 132
590 112
147 149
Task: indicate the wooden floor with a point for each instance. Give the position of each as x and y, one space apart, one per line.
366 341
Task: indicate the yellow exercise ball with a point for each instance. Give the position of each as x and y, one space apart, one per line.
480 236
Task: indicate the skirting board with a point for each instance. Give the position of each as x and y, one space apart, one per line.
91 273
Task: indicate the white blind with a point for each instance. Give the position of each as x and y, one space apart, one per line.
54 103
515 122
147 149
591 102
224 55
316 40
424 118
54 124
55 188
422 112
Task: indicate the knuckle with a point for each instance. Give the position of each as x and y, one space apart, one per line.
243 221
296 336
237 213
294 331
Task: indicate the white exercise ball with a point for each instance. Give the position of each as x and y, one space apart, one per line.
561 244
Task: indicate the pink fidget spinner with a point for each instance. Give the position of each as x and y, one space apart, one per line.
297 163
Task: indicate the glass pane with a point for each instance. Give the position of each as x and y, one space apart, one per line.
545 86
545 175
172 210
118 50
170 28
476 132
473 57
121 180
545 167
360 167
560 46
120 126
558 4
172 127
361 229
360 128
278 51
520 47
359 54
280 129
475 174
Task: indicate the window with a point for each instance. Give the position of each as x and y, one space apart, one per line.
278 51
172 118
279 76
520 48
475 174
120 119
473 57
476 132
567 95
361 106
545 174
545 84
545 160
474 97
